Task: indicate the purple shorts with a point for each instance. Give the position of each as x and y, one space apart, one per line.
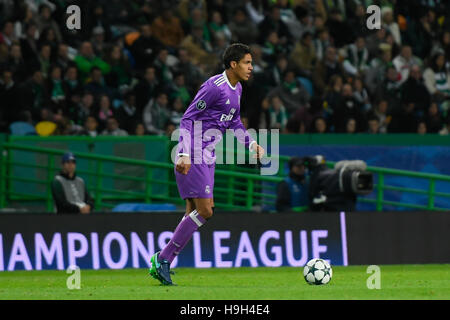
197 183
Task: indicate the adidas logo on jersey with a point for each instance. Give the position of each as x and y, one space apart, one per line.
228 101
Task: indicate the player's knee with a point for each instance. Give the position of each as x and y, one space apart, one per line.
206 212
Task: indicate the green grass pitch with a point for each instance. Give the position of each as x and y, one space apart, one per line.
283 283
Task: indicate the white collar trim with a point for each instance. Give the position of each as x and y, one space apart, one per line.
226 79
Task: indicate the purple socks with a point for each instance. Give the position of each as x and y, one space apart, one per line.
181 236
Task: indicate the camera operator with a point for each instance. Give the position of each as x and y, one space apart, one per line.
337 189
293 191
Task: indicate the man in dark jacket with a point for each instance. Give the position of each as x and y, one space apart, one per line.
69 191
293 191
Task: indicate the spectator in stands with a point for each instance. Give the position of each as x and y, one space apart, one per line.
98 41
98 18
390 88
156 114
9 94
45 20
113 129
16 63
357 57
259 64
48 37
32 94
177 111
404 61
437 77
69 191
163 70
90 127
105 110
145 47
44 59
71 80
86 60
377 68
321 42
7 35
218 27
179 90
193 75
333 93
275 73
243 30
29 45
421 127
373 124
80 110
199 50
350 126
388 21
325 69
292 192
381 113
404 120
414 90
347 108
167 28
273 22
433 118
303 56
56 89
139 130
146 88
120 74
339 28
272 47
96 83
128 113
291 92
446 129
62 56
277 113
361 95
319 125
374 41
169 128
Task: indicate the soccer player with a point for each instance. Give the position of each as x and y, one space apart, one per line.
215 108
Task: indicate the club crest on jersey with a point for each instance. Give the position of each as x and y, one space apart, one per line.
201 105
228 117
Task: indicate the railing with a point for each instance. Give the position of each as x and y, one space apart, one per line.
236 189
231 192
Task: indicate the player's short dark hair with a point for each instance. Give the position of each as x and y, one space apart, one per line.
234 52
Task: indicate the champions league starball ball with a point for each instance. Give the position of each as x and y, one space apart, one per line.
317 271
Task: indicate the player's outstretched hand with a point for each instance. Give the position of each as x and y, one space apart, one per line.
183 165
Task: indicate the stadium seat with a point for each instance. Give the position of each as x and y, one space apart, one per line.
45 128
307 84
20 128
145 207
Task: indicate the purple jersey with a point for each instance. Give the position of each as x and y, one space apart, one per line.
215 108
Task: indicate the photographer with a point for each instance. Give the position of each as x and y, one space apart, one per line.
293 191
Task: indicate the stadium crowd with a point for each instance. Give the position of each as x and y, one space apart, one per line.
134 66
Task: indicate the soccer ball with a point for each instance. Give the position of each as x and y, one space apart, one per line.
317 271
